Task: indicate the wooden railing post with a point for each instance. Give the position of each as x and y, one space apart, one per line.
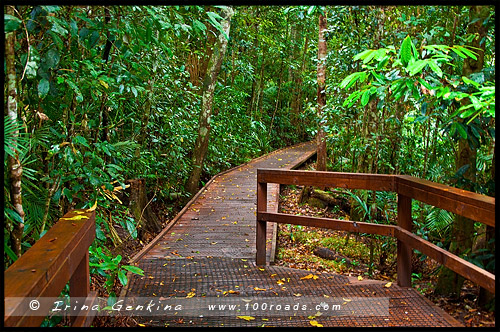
79 284
261 230
404 250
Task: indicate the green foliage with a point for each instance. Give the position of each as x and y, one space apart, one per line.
111 268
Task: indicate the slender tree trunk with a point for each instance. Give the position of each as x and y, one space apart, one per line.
462 229
297 89
214 65
322 53
14 167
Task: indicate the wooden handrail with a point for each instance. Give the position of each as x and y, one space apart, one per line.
471 205
61 255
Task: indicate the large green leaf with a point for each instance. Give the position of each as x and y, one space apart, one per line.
212 18
122 277
362 55
11 23
406 51
416 67
134 269
349 79
365 98
43 88
435 68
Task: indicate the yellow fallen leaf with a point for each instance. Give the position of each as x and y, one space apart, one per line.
389 284
190 295
347 300
261 289
360 278
309 276
280 282
315 323
247 318
261 269
142 325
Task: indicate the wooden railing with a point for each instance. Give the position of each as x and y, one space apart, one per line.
61 255
471 205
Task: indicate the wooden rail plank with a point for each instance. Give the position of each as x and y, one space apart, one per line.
453 262
337 224
379 182
45 268
468 204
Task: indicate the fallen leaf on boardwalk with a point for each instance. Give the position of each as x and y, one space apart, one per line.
261 289
261 269
316 315
213 242
280 282
347 300
309 276
233 292
297 294
389 284
247 318
360 278
190 295
315 323
141 325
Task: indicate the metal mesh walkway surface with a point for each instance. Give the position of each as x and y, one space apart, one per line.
201 270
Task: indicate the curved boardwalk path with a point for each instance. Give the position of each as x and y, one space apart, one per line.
207 254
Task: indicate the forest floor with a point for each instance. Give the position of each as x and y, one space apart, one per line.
296 245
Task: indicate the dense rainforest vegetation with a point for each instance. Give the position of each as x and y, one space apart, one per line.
97 95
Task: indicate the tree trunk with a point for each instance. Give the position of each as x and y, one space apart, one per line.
297 90
449 282
214 65
147 222
14 167
321 77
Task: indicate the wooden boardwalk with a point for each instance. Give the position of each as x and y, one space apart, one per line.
207 254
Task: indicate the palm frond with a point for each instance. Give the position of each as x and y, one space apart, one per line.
126 147
438 221
13 141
